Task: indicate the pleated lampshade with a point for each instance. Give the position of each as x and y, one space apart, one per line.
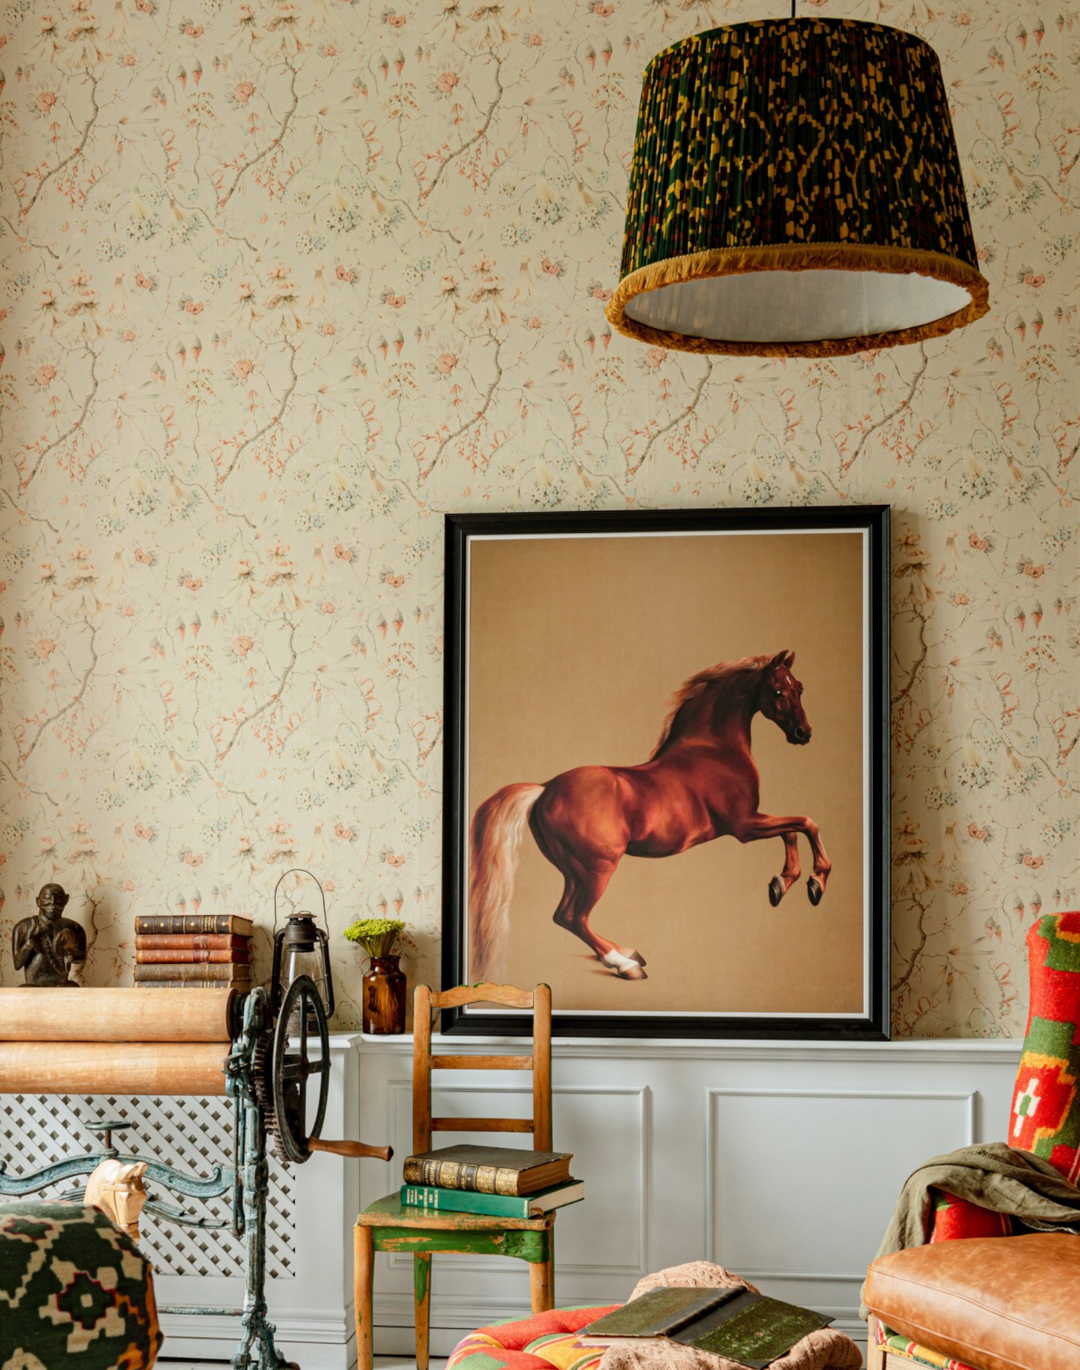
796 191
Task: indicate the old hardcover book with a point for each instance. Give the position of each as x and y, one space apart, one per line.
163 956
240 986
434 1200
180 974
193 922
215 941
488 1169
751 1329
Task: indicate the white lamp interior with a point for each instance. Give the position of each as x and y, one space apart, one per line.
797 306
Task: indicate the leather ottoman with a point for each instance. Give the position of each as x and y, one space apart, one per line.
994 1303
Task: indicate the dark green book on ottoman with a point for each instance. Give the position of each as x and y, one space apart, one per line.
749 1328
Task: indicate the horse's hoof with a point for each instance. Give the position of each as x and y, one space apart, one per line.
632 954
776 890
815 890
632 972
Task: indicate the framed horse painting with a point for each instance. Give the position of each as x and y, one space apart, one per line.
667 770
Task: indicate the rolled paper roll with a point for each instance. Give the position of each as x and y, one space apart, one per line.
112 1067
42 1014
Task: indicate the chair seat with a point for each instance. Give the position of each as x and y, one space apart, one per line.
998 1304
391 1212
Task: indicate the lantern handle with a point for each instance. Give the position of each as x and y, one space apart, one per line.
301 870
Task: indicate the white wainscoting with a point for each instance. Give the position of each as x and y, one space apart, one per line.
781 1161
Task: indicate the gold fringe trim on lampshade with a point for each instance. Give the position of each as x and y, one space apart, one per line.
734 261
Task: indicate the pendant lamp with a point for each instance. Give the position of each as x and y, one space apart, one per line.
795 191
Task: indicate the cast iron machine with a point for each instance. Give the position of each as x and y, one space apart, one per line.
277 1073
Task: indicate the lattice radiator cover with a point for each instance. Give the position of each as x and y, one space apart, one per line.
188 1133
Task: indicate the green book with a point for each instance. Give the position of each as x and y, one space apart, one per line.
751 1329
435 1200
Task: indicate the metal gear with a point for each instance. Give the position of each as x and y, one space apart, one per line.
264 1094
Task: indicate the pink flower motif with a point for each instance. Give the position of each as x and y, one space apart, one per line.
46 100
328 50
144 557
343 553
604 11
145 6
243 91
446 81
243 368
534 40
193 307
128 335
45 375
128 885
242 645
602 294
550 268
193 582
193 30
45 648
343 832
326 607
129 59
394 301
654 357
143 281
1030 278
192 859
446 363
328 330
533 321
144 831
396 21
343 274
127 611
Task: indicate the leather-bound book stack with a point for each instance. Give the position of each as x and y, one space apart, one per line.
193 951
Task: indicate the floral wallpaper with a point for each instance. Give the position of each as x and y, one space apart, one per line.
283 282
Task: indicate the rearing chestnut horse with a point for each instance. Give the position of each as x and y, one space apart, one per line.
700 782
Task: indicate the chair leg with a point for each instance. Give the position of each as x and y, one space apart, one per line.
422 1303
363 1278
542 1284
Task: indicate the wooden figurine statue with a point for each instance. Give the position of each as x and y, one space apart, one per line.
47 944
116 1188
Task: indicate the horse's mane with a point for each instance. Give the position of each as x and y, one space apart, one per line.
733 672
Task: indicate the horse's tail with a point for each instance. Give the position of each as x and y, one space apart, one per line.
496 834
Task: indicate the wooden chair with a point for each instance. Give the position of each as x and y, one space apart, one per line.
388 1225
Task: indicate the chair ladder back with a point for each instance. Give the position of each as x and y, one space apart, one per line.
421 1078
539 1062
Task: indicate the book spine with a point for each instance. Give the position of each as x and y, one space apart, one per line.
434 1200
241 986
481 1179
190 922
186 955
217 941
180 973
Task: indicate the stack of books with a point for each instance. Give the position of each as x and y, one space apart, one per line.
503 1182
193 951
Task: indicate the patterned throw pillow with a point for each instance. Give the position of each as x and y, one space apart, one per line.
75 1294
1045 1109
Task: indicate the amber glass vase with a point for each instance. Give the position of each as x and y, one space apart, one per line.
384 996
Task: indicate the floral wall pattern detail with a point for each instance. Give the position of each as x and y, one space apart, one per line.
284 282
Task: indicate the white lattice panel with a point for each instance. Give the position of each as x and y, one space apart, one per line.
191 1134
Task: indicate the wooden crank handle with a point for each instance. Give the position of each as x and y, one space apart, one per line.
356 1149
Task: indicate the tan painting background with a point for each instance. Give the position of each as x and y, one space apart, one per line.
576 646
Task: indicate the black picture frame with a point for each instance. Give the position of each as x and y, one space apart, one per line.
872 521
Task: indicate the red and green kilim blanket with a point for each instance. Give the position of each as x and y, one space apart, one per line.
536 1343
1045 1110
75 1293
918 1355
